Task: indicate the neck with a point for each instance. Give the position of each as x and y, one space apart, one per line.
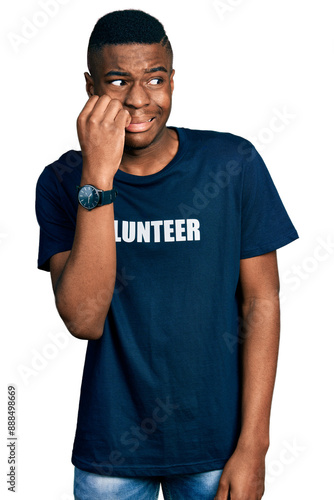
155 157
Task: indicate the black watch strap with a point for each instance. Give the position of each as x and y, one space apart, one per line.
107 197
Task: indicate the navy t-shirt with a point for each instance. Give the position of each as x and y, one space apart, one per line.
160 392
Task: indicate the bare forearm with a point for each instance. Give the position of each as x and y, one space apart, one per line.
85 283
85 287
261 326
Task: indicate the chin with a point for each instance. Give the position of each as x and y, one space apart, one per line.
133 145
136 143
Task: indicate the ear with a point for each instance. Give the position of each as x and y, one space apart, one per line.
172 80
89 84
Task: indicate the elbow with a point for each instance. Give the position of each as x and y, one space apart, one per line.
83 332
81 325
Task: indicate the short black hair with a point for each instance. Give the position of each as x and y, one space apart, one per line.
126 27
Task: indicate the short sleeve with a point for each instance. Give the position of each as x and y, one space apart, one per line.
265 224
56 228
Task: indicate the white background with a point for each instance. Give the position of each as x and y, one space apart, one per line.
237 66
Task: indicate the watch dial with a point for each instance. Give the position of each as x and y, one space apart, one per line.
88 197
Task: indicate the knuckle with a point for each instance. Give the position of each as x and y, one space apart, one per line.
106 125
92 120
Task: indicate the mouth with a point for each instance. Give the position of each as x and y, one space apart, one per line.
139 125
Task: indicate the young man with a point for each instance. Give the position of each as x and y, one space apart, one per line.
183 327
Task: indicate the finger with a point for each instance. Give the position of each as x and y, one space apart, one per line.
222 493
112 111
123 118
88 107
106 108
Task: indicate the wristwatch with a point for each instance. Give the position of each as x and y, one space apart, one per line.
91 197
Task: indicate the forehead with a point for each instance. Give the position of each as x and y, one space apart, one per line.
132 58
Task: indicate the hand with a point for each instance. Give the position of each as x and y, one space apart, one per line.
242 477
101 131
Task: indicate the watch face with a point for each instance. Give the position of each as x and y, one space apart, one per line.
88 197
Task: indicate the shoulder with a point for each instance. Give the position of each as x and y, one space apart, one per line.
219 142
57 179
67 165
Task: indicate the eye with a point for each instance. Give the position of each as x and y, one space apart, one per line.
156 81
117 83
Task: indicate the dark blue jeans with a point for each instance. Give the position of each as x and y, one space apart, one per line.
202 486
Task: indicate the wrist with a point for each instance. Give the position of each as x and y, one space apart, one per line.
255 443
96 177
98 182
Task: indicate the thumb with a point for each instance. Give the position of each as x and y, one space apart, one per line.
222 492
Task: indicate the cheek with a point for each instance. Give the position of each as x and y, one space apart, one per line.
163 100
107 89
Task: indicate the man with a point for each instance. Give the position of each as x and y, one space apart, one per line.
183 329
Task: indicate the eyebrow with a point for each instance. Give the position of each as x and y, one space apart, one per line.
155 70
123 73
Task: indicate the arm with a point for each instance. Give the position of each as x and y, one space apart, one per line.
84 278
243 475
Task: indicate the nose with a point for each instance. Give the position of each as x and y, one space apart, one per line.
137 96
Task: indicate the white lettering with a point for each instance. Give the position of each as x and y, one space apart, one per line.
150 231
156 224
168 230
180 229
143 232
128 235
117 238
193 229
